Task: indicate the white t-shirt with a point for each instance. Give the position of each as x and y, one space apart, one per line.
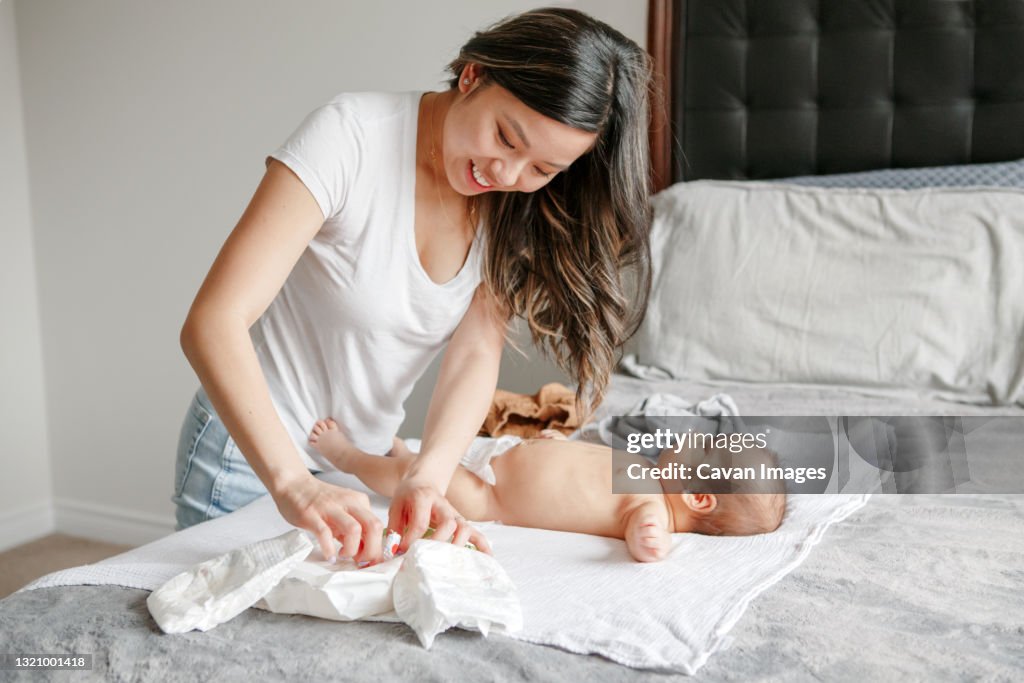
358 319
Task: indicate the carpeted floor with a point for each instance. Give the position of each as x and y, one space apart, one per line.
27 562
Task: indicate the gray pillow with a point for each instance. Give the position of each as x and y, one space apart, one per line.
882 289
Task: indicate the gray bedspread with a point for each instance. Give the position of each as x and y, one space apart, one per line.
917 587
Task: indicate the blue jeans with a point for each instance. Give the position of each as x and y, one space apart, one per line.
211 477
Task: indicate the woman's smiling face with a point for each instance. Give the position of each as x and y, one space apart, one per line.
494 142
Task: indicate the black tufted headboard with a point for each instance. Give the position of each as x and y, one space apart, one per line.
774 88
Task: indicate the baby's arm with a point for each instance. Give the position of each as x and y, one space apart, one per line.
647 534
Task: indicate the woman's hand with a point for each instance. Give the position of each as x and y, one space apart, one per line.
330 512
418 504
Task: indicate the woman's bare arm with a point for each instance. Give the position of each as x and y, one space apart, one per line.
463 393
250 269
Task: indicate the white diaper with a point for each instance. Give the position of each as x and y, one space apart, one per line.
432 588
478 458
221 588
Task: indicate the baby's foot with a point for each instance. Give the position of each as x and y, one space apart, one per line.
552 434
331 442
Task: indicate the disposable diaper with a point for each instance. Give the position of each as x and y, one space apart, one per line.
217 590
477 459
341 591
440 586
432 588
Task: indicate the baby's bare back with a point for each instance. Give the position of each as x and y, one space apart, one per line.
561 485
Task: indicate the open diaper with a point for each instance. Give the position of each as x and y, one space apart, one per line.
432 588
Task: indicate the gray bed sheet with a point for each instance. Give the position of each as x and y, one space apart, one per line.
922 587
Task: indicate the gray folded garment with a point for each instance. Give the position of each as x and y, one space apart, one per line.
717 415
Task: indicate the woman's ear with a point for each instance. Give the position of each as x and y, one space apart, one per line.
470 77
700 502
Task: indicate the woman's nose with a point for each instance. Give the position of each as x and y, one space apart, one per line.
506 171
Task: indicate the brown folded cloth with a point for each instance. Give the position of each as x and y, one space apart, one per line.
553 407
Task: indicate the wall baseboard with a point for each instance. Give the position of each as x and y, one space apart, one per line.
26 524
108 523
81 518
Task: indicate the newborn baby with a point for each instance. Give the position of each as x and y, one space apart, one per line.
553 483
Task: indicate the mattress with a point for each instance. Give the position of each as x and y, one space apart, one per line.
875 599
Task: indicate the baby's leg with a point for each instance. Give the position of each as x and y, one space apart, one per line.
380 473
471 496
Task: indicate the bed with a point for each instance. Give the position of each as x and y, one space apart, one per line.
824 95
919 586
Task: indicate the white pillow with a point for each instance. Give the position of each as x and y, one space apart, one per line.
760 282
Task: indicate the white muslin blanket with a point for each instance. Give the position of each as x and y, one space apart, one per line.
579 593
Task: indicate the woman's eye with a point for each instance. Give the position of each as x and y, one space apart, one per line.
504 141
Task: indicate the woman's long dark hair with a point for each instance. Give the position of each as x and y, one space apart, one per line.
557 257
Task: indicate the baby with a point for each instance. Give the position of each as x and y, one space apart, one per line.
553 483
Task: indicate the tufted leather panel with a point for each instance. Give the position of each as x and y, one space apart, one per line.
775 88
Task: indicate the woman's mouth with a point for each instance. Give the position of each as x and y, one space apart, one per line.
477 178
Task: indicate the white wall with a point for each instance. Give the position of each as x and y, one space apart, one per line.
25 487
146 125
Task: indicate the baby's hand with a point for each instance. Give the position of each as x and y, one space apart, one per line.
647 539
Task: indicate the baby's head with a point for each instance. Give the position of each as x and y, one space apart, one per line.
737 506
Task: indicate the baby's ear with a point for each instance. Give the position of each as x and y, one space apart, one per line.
701 502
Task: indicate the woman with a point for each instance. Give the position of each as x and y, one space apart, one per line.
388 225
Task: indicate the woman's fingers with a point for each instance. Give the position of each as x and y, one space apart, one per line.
332 512
372 535
396 514
347 530
415 508
462 533
326 540
445 525
477 538
418 513
467 533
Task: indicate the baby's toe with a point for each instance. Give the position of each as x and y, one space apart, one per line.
331 424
